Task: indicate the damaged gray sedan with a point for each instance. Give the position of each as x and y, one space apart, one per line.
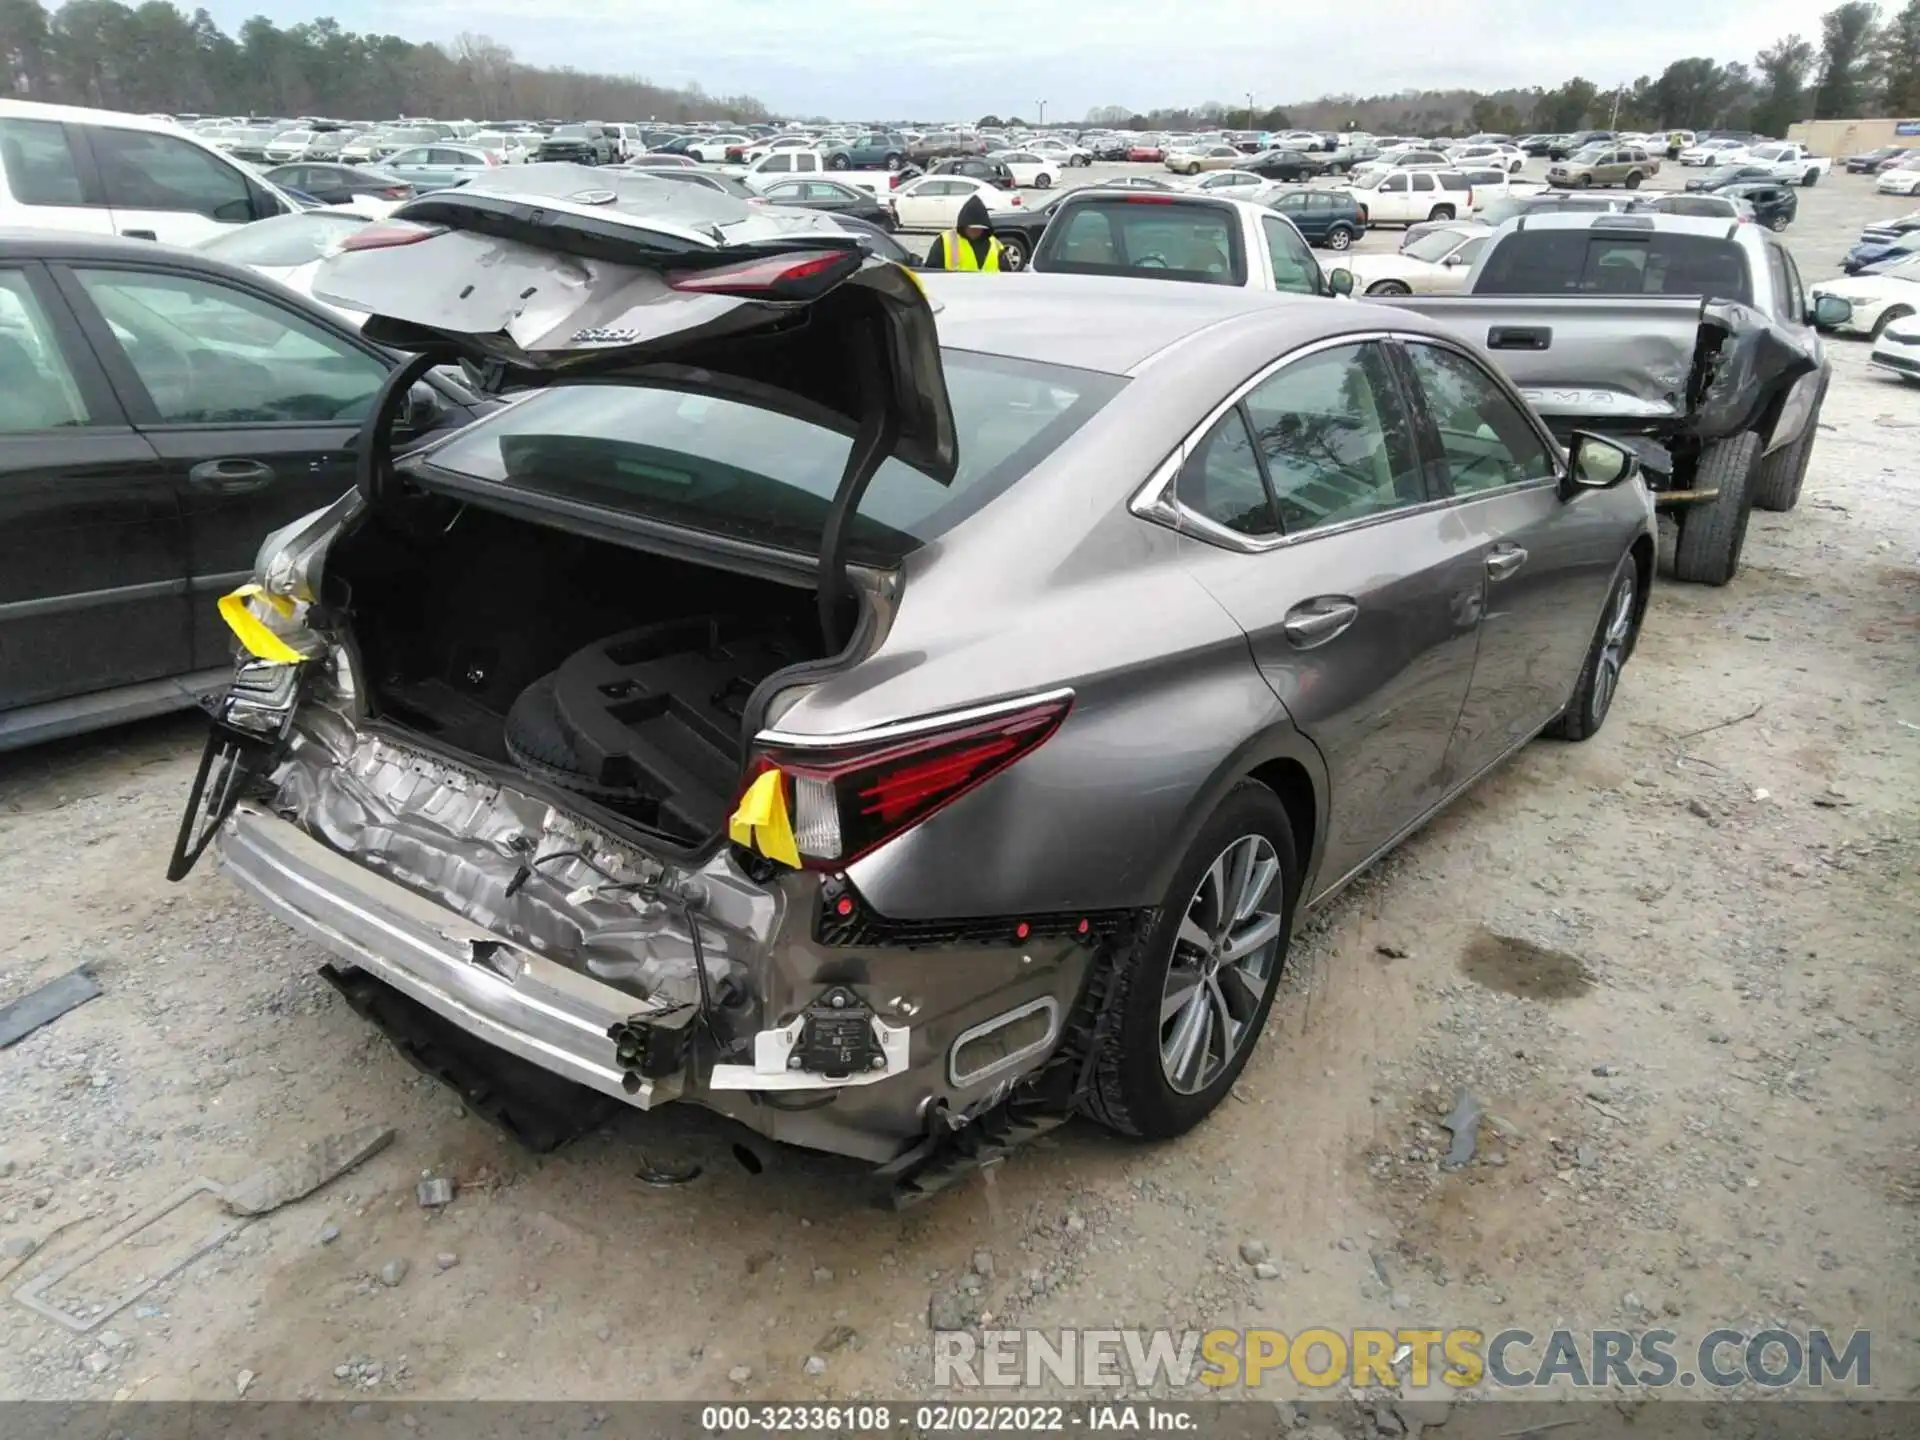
895 714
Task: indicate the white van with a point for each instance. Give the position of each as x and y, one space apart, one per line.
106 173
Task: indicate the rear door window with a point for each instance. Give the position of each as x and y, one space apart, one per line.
1294 268
41 168
37 390
721 464
1221 480
1152 238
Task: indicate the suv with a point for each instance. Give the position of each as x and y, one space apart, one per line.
99 172
1606 164
879 150
1332 218
587 143
1561 146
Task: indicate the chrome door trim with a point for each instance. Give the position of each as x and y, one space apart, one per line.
898 729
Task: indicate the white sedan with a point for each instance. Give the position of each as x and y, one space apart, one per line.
1062 152
713 148
933 202
1029 167
1714 152
1897 351
1898 182
1878 299
1436 264
1240 184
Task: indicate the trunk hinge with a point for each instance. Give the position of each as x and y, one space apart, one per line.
872 443
375 459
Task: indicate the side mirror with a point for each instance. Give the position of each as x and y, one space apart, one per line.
425 409
1596 463
1830 311
1340 281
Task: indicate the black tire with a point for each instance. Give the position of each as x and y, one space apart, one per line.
1887 317
1598 687
1042 181
1336 169
1778 223
1339 238
1777 487
894 162
537 742
1129 1092
1388 287
1713 532
1441 212
1633 180
1013 253
1586 182
1810 179
839 162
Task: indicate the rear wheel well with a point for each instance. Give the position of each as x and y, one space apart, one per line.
1288 779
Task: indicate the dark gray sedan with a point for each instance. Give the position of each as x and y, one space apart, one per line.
895 713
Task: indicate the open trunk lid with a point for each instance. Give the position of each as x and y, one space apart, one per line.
554 271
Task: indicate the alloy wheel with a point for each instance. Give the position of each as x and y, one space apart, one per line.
1613 649
1224 957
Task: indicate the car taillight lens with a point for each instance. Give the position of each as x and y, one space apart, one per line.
1363 215
847 802
385 235
396 192
492 159
803 275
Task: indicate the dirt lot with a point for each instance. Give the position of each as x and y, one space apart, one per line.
1674 963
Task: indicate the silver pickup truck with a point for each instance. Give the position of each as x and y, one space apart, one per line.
1694 337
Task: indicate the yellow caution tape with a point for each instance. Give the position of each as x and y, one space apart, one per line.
761 822
252 631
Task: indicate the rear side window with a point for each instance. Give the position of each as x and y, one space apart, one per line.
40 166
723 465
1450 180
1221 480
1155 239
37 390
144 171
1294 269
1609 262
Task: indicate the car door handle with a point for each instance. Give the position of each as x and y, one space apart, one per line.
139 235
1314 622
1503 560
229 477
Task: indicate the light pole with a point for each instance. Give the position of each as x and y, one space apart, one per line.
1041 123
1613 120
1249 109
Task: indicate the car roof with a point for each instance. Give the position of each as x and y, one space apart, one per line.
1711 227
24 243
1118 324
80 114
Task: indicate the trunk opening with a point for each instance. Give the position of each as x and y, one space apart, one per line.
619 675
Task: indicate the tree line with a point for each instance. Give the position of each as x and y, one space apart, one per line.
1866 63
155 57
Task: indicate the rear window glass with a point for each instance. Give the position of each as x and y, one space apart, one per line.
1155 239
1575 262
715 463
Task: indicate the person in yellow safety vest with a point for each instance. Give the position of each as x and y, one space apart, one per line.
970 244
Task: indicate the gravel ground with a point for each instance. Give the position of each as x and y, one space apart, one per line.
1673 964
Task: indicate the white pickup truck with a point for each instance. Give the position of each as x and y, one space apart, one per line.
1790 164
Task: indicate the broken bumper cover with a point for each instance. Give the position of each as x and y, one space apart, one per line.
501 993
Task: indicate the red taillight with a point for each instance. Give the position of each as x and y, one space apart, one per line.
386 234
492 159
1364 217
803 275
847 802
1013 199
396 192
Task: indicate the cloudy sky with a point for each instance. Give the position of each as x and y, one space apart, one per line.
956 59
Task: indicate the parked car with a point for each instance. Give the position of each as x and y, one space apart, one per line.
1547 202
941 144
1332 218
341 184
377 145
1897 350
1773 203
163 411
1400 157
1899 182
1867 161
729 185
1677 141
933 201
1402 197
438 167
1438 263
1343 159
1694 333
1034 168
1508 158
1300 608
1204 157
833 197
1284 165
1063 153
287 248
1867 254
1711 152
1182 237
1608 164
660 160
993 169
1729 175
1567 146
1877 297
588 143
1153 150
876 150
1718 205
1790 164
286 146
712 149
510 147
100 172
1241 184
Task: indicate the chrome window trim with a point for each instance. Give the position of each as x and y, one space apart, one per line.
897 729
1155 500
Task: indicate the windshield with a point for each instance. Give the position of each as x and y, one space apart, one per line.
570 132
1149 237
711 462
1590 155
1434 246
1615 262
